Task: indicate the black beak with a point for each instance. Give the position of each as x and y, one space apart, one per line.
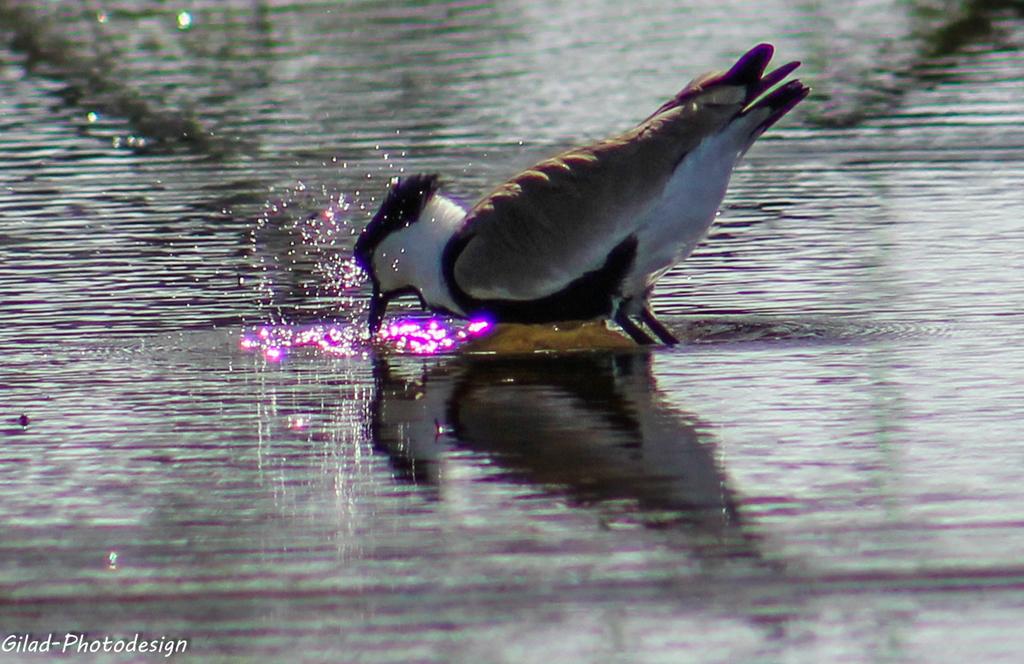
378 305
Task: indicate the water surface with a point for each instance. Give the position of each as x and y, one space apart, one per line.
827 471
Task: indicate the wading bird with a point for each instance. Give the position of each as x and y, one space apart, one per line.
587 233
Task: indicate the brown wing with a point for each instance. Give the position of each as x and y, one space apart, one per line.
560 219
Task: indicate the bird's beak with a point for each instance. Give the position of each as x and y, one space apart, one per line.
378 305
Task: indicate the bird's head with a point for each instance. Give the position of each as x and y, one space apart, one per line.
402 246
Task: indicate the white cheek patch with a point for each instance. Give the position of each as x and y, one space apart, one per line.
411 256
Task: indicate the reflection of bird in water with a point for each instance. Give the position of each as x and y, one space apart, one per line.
591 427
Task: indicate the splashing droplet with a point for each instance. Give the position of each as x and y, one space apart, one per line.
431 337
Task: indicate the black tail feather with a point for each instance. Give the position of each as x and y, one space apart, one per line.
748 72
780 101
770 80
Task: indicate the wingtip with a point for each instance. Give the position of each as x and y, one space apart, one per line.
770 80
764 49
781 101
751 65
748 73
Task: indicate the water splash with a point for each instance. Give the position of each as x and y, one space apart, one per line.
304 271
301 260
321 233
275 342
433 336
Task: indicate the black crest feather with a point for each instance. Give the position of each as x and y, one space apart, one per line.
405 200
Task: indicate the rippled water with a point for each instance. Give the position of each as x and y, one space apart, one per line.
829 469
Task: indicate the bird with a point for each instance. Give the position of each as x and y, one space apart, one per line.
585 234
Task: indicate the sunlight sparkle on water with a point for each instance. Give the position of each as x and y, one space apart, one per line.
322 238
275 341
429 337
433 336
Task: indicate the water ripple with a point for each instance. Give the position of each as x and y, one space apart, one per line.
834 449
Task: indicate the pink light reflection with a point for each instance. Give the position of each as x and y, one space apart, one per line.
274 342
432 336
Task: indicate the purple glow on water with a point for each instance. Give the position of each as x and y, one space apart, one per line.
432 336
418 338
274 342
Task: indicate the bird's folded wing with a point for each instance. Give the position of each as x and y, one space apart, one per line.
559 220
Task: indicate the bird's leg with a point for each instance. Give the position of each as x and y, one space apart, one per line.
662 332
632 329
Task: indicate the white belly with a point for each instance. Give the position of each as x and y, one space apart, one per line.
674 226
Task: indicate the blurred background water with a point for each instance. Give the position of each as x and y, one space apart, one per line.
828 471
